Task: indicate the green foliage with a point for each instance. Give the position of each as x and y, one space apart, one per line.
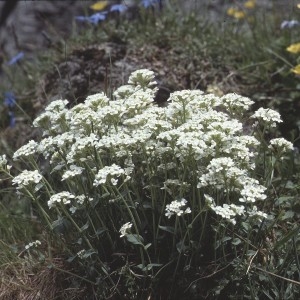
178 182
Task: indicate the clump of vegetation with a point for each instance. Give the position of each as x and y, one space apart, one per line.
203 192
142 193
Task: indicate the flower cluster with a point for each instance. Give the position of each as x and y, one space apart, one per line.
228 212
280 145
104 9
112 171
197 141
268 116
177 207
34 244
124 230
27 177
73 171
241 12
81 253
26 150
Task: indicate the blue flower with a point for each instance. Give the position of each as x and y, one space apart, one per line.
9 99
10 102
93 19
289 24
16 58
148 3
119 7
12 119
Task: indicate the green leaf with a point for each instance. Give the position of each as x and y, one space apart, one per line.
89 253
148 267
105 195
251 252
38 186
181 247
61 225
167 228
79 241
135 239
236 241
288 215
71 258
287 237
222 241
147 205
85 226
147 246
283 199
99 231
57 168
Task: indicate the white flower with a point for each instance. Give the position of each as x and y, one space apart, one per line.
81 148
79 201
3 161
111 171
209 201
269 116
177 207
33 244
222 173
124 91
46 146
236 103
186 96
53 120
62 197
27 177
256 214
97 100
143 77
281 145
56 105
289 24
188 144
28 149
73 209
224 211
243 149
228 212
81 198
81 253
124 230
74 170
252 190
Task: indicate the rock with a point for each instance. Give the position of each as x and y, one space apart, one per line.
33 24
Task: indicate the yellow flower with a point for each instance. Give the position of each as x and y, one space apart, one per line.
231 11
250 4
294 48
296 70
298 5
100 5
237 14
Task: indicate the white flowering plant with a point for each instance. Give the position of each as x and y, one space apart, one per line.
154 190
